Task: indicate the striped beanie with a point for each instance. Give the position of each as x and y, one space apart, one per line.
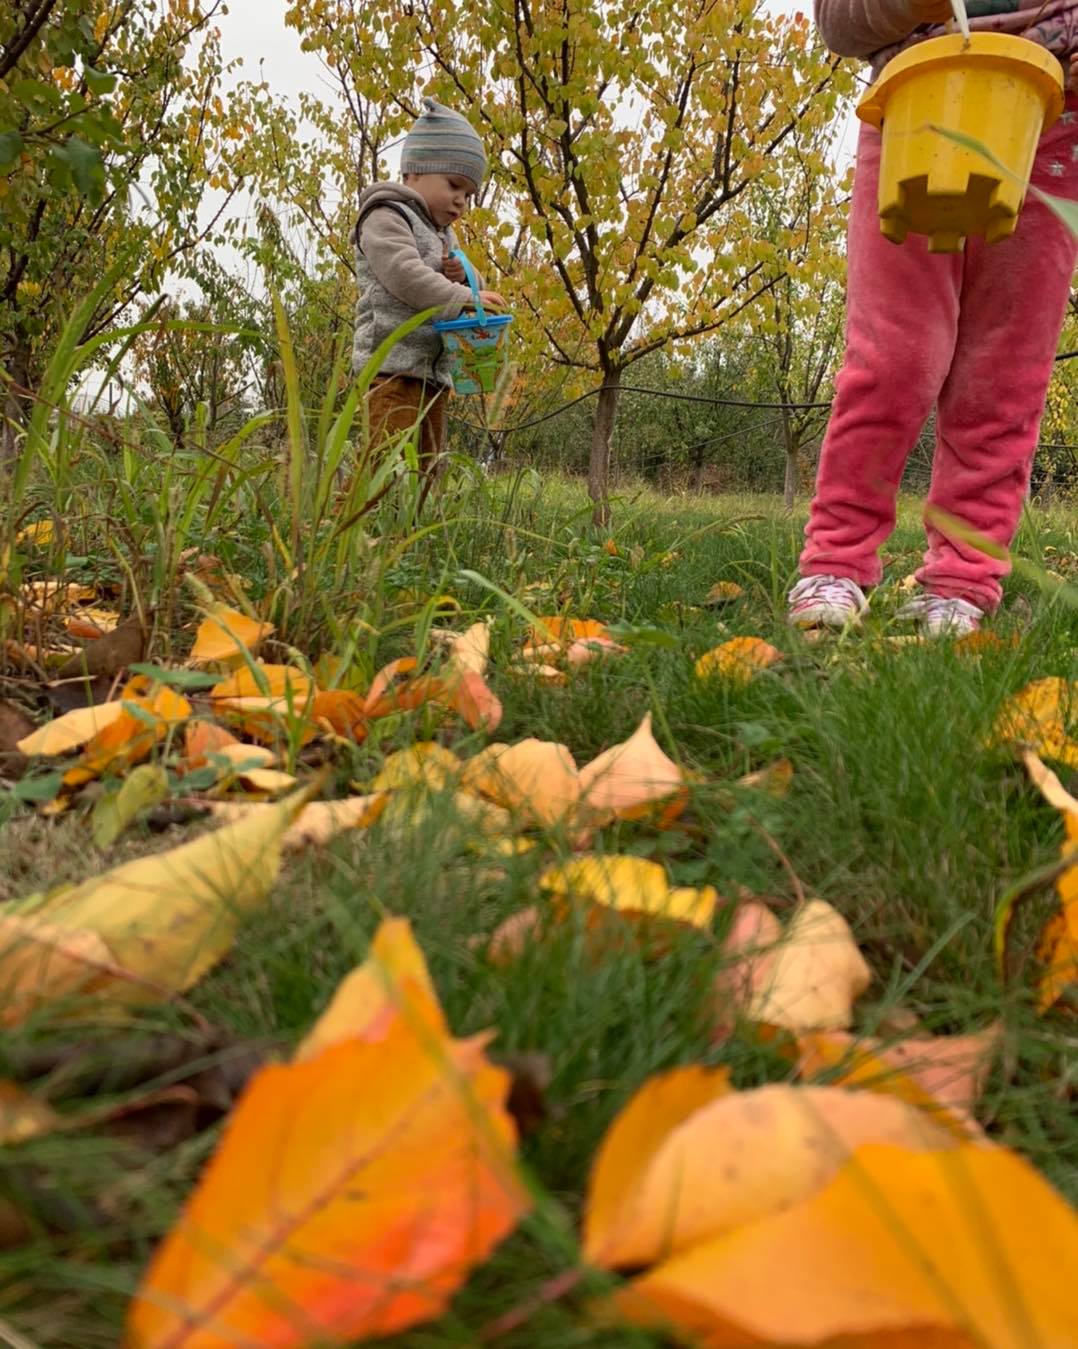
442 141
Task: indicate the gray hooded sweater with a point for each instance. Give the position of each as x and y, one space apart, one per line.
399 251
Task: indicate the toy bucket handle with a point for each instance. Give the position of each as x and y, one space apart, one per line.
473 281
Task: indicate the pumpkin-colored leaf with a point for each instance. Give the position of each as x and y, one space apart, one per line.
225 636
344 712
352 1192
628 779
149 712
71 731
689 1159
950 1248
200 740
738 660
393 980
565 631
943 1075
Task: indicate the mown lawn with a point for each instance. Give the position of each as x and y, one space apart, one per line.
898 814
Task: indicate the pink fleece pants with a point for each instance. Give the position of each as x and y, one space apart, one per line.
974 334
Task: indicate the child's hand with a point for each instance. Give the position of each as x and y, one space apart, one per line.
453 269
490 299
931 11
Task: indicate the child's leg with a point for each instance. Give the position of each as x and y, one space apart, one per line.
1014 297
394 404
901 321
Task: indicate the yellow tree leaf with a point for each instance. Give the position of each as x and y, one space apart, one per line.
352 1193
711 1160
224 635
1058 946
425 763
943 1075
70 731
957 1249
318 823
1040 717
626 780
738 660
44 963
724 592
286 683
169 918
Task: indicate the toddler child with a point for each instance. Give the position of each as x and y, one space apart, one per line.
973 334
403 238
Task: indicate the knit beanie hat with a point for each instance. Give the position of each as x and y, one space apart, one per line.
442 141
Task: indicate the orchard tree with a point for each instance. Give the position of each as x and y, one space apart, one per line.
112 127
627 138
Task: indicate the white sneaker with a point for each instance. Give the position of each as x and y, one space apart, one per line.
830 601
941 617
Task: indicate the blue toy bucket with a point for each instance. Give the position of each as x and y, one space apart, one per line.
476 342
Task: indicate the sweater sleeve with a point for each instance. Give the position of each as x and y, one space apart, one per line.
862 27
389 246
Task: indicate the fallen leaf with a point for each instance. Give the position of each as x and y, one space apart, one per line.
689 1159
592 648
201 740
145 787
52 595
628 780
343 711
1039 717
360 1184
738 660
23 1116
40 533
724 592
747 955
72 730
631 886
318 823
809 979
470 651
774 780
536 780
513 935
226 636
108 655
1058 946
951 1248
162 921
547 674
149 712
564 631
942 1075
425 763
283 683
1048 784
92 623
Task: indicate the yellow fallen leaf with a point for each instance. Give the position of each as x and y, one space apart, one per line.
149 711
269 780
546 674
44 963
23 1116
775 779
225 635
956 1248
627 780
689 1159
52 595
1048 784
424 762
92 622
40 533
738 660
166 919
1040 717
71 731
283 683
724 592
359 1184
942 1075
536 780
470 650
811 978
631 886
564 631
393 980
317 823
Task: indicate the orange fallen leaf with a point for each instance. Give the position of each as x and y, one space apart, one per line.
201 739
225 636
564 631
775 779
149 712
952 1248
91 623
738 660
689 1158
343 711
942 1075
628 780
747 950
587 649
359 1183
611 547
724 592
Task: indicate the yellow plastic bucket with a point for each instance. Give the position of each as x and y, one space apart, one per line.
1002 91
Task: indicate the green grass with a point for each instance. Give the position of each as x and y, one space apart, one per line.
898 815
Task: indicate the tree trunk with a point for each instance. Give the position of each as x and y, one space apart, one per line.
793 477
606 411
14 405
